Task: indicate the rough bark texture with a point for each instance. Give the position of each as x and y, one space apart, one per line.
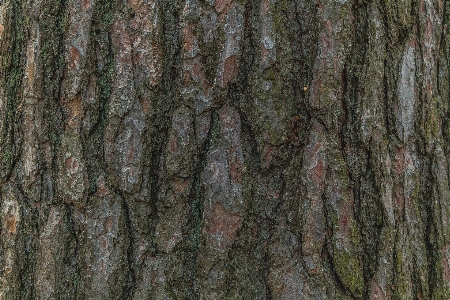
224 149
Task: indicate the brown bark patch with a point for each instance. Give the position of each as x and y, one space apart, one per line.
344 222
265 4
31 70
173 147
400 160
273 194
236 171
222 226
180 185
222 6
86 4
188 38
2 28
267 155
10 223
236 166
71 165
134 4
375 291
230 119
144 105
314 230
196 71
74 58
229 69
400 200
75 107
7 271
48 153
316 92
123 43
264 53
130 155
318 170
102 189
108 225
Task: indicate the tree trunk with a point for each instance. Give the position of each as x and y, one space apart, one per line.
224 149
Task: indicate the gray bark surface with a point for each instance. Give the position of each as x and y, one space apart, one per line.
224 149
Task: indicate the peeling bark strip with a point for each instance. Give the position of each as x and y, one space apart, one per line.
224 149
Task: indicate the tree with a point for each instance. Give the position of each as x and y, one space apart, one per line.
226 149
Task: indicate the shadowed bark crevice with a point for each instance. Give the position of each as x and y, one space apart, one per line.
12 64
195 222
128 292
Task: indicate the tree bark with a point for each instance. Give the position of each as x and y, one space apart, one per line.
224 149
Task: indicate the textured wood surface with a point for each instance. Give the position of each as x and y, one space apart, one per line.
224 149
